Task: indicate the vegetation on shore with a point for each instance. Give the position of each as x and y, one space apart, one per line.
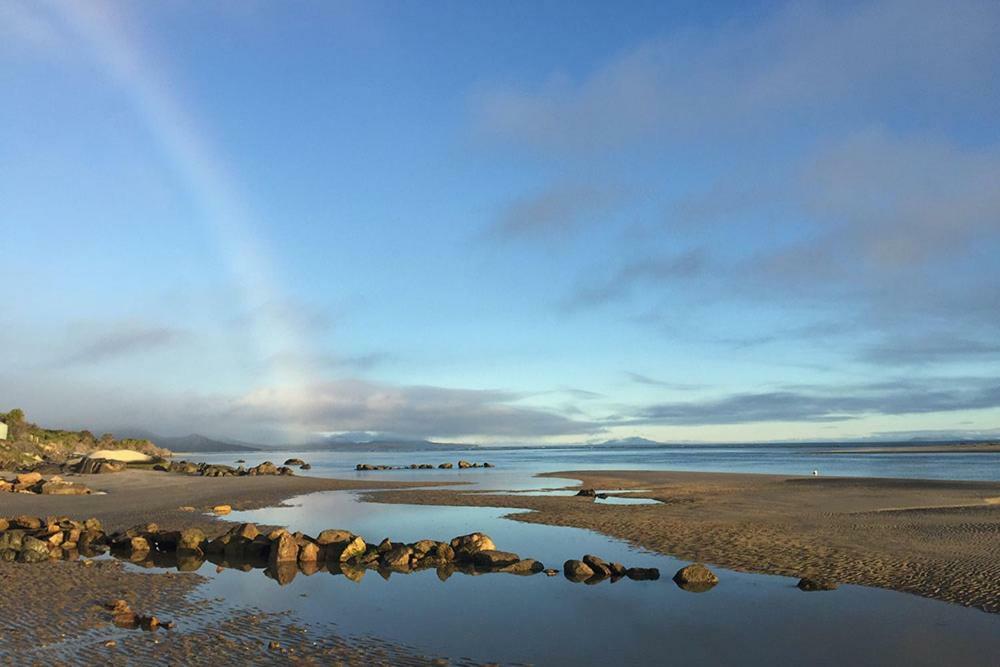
27 443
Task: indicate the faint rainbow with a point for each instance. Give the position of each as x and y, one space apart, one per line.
210 181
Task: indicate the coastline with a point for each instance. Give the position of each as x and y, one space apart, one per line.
937 539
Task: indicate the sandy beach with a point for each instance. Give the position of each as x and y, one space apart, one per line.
937 539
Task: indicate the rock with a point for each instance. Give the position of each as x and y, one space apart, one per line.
265 468
423 547
695 578
331 535
526 566
294 462
464 464
285 470
191 539
305 466
619 570
810 585
33 550
488 465
577 570
598 565
642 573
551 572
60 488
347 549
384 546
245 531
446 466
309 552
466 546
493 559
398 558
95 466
222 509
28 478
26 522
590 493
283 550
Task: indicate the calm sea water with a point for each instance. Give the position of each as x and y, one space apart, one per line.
747 619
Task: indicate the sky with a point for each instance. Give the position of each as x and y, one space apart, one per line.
517 222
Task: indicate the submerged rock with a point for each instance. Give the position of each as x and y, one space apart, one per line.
493 559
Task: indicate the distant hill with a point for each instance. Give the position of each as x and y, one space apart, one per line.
189 443
629 442
340 443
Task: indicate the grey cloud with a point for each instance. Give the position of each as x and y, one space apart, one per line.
557 209
831 404
656 271
798 61
123 340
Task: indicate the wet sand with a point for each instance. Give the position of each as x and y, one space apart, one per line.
938 539
54 612
140 497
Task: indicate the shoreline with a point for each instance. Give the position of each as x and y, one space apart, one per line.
936 539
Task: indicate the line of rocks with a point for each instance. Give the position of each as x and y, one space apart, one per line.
592 570
33 482
221 470
462 465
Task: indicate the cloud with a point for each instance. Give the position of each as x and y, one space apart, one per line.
286 414
796 63
555 210
825 404
930 349
123 340
658 272
639 378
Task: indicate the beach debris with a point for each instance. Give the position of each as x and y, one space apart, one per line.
695 578
810 585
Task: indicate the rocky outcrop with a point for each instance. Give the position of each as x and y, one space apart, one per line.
466 546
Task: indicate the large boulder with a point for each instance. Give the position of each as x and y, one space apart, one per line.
398 557
28 478
284 549
466 546
598 565
331 535
294 462
695 578
96 466
577 570
191 539
56 487
493 559
33 550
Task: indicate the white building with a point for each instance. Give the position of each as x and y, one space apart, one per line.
3 431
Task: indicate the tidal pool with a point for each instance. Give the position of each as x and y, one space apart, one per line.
746 619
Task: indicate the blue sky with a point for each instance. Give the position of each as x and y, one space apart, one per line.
502 222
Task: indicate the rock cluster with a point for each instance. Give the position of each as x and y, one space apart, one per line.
220 470
33 482
591 493
31 539
97 466
592 570
423 466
